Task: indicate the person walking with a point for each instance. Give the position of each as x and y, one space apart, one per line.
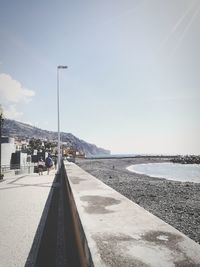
55 163
48 163
40 166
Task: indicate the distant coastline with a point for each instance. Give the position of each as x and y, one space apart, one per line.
129 156
183 159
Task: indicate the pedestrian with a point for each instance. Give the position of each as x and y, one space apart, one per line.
40 166
48 163
55 163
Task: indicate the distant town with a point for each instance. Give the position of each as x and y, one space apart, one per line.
23 154
23 144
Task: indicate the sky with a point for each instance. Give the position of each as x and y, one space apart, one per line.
132 84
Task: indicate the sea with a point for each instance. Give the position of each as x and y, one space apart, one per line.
169 171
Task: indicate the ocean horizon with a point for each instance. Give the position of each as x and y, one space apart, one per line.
139 155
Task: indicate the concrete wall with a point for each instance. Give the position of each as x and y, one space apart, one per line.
23 159
79 238
111 230
6 151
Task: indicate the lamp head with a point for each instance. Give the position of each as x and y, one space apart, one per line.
62 67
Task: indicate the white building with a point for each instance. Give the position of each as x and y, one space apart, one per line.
7 148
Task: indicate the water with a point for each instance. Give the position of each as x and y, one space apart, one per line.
170 171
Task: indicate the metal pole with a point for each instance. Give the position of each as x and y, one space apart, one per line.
58 106
1 177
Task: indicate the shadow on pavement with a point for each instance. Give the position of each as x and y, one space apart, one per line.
54 242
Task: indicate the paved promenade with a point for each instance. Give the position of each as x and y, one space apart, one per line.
22 201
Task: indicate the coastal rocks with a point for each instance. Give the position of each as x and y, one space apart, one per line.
186 159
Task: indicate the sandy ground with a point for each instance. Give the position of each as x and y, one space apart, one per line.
177 203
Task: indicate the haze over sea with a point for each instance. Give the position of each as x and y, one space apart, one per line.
169 171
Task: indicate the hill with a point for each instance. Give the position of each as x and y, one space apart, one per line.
14 128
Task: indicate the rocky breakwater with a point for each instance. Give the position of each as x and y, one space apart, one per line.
189 159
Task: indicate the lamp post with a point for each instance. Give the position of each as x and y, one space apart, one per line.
1 125
58 109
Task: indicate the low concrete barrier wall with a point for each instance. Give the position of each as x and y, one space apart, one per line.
111 230
77 233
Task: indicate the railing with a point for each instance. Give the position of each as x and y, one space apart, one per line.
17 168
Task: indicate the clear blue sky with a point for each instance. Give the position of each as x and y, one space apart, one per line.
133 82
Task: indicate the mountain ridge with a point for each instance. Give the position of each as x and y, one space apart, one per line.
13 128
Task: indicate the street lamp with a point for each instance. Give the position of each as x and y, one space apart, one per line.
58 107
1 125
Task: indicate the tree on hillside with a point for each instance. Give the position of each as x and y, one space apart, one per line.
39 145
35 144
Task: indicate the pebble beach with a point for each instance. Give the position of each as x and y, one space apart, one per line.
177 203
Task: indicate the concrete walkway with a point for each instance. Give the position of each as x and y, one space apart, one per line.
22 201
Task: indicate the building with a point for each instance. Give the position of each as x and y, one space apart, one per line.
7 148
